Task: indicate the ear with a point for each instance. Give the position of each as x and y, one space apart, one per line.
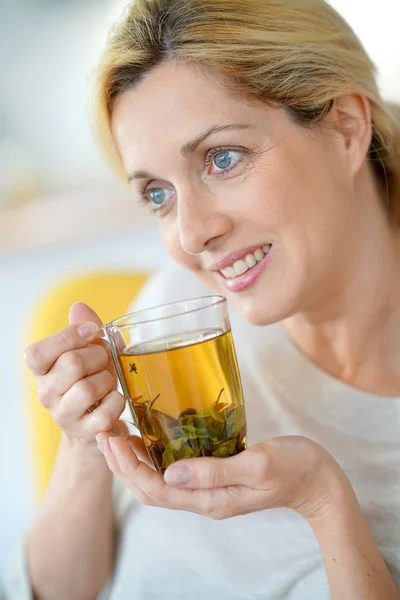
351 117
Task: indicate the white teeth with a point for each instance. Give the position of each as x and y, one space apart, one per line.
243 265
259 254
229 272
240 267
250 261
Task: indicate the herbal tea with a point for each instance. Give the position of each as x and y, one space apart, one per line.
187 396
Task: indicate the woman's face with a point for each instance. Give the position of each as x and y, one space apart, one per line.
258 207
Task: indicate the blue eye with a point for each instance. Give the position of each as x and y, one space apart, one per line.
223 160
226 160
157 196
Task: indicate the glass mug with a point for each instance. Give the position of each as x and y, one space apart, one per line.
178 371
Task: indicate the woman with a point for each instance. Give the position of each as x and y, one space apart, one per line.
256 133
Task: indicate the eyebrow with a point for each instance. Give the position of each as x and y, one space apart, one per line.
192 146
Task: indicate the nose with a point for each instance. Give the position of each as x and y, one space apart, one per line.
201 225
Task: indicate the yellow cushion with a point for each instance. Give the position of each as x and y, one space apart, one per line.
110 295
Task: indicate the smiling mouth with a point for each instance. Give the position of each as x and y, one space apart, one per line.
246 263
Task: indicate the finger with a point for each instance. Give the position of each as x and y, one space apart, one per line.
149 483
71 367
248 468
129 464
121 429
105 417
103 441
139 448
42 355
136 472
82 395
80 312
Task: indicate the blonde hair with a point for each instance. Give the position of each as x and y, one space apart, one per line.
296 53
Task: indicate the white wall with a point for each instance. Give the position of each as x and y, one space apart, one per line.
377 26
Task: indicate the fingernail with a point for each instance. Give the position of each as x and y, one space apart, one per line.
87 330
100 444
178 475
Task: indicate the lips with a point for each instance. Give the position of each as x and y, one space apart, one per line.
228 260
241 266
241 269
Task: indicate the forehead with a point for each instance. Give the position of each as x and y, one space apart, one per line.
177 101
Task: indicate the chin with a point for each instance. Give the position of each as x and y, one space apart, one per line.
252 307
257 311
255 314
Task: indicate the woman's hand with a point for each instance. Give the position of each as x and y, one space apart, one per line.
292 472
76 378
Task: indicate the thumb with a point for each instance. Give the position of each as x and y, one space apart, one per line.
82 312
210 472
254 468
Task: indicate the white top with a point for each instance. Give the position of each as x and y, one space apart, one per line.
271 554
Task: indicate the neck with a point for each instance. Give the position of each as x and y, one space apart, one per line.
354 333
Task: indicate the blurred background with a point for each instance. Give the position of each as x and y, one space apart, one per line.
62 213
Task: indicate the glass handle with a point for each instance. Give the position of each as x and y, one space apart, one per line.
102 334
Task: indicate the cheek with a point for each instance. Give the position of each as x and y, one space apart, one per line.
266 197
295 196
